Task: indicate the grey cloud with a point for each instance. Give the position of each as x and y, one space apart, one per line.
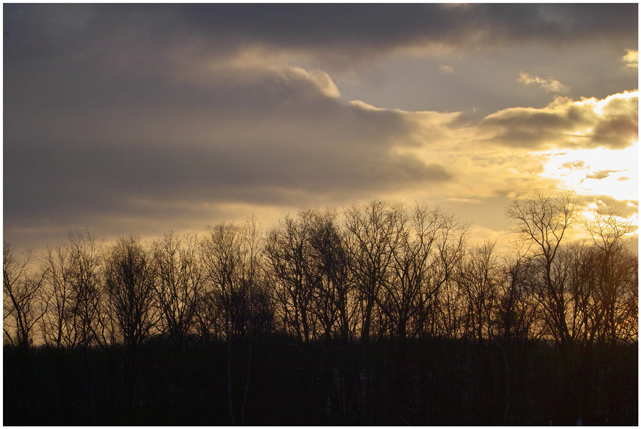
346 32
567 124
384 26
616 132
267 138
404 168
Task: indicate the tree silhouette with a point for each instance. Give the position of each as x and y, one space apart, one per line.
291 267
179 284
72 286
23 303
232 269
543 222
616 278
376 314
130 284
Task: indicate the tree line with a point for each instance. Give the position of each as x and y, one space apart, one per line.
370 310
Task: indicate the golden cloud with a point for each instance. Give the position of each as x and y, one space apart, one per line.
547 84
589 123
631 59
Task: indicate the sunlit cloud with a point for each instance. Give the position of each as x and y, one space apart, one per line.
589 123
547 84
631 59
573 165
602 174
605 203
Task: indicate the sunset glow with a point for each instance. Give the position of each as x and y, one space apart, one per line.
320 214
119 121
596 171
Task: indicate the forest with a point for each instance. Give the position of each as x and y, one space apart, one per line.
377 314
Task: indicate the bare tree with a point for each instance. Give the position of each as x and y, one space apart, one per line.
416 257
479 278
72 288
372 236
614 274
334 306
231 260
73 283
179 286
518 313
130 283
59 326
440 300
543 221
290 259
329 275
23 303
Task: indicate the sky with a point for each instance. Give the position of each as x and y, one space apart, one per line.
137 118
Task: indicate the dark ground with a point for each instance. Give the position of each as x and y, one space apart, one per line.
427 382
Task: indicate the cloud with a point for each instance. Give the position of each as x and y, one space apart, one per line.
356 26
395 168
134 117
547 84
574 165
631 59
153 35
589 123
608 204
602 174
276 136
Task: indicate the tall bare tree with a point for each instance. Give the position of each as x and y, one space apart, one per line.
614 274
543 222
413 282
179 285
440 300
130 284
73 284
479 279
23 302
517 314
372 236
290 260
333 295
231 262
